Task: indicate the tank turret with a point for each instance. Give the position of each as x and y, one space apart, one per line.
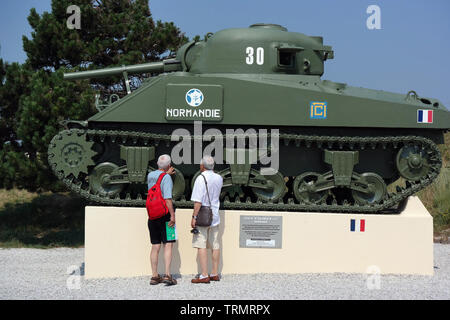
264 49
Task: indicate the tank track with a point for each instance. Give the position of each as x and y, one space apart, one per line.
353 143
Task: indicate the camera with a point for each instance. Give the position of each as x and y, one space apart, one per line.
195 231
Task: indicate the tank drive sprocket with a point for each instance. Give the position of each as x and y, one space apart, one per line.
70 153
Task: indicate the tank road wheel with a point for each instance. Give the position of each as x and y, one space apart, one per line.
195 178
376 190
304 189
228 189
70 153
413 162
179 184
271 188
99 180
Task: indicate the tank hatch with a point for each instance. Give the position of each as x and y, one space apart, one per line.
268 26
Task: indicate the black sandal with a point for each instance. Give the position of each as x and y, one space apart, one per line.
155 280
169 280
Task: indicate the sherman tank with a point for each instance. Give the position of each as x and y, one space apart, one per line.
339 148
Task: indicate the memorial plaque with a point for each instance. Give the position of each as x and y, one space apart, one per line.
260 231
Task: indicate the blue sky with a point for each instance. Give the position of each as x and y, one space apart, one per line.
410 52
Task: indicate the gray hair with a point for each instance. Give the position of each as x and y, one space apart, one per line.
207 162
164 161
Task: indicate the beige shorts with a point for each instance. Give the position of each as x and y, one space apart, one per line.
206 235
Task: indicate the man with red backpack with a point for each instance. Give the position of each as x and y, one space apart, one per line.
161 212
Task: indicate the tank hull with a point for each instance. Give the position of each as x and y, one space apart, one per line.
249 100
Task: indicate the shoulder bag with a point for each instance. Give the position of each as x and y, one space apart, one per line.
205 214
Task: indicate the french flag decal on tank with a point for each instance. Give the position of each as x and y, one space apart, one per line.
357 225
424 116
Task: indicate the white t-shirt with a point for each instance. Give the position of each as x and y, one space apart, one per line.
199 194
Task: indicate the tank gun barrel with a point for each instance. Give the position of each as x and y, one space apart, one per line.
168 65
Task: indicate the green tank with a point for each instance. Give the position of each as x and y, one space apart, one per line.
340 148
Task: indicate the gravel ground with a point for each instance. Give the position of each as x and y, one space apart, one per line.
43 274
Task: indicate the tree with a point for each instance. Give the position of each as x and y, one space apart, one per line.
113 32
13 81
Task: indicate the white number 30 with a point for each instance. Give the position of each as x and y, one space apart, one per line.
259 55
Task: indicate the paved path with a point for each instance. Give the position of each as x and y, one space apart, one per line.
42 274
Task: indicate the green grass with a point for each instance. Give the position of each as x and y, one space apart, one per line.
41 220
436 199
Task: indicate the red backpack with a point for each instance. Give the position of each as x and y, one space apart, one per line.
156 205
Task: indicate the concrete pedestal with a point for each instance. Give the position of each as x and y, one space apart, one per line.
117 243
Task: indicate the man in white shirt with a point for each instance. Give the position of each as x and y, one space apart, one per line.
207 234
